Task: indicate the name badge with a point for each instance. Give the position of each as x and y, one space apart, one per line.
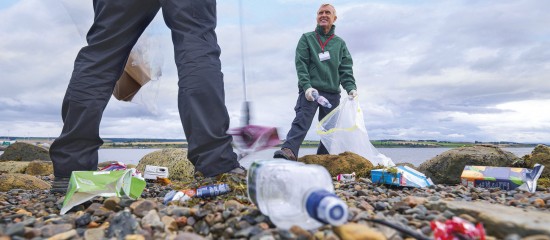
324 56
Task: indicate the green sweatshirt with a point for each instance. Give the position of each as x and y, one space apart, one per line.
325 75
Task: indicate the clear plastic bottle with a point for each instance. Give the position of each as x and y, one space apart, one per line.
294 193
321 100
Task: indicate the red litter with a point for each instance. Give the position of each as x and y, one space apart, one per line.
457 229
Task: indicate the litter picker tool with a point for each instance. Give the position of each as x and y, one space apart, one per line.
250 138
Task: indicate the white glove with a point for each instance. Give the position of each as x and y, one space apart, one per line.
352 94
309 94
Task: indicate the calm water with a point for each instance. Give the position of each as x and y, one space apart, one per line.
415 156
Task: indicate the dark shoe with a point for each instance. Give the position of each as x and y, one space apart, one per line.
240 170
60 185
285 153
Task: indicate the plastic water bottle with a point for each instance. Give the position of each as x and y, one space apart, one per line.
293 193
321 100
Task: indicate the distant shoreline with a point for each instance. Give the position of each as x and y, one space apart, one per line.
314 144
143 143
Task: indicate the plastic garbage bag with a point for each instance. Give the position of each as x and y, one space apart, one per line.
140 80
343 130
253 138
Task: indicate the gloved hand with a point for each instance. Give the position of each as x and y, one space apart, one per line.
352 94
309 94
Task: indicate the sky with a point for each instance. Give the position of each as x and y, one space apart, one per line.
453 70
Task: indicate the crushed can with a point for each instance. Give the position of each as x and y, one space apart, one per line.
212 190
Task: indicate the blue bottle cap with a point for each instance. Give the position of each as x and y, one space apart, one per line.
326 207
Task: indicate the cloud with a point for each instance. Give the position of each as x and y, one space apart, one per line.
451 70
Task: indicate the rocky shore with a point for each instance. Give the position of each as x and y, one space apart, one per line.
376 212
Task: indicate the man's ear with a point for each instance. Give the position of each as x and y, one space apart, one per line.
335 17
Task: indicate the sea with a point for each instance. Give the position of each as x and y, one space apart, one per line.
415 156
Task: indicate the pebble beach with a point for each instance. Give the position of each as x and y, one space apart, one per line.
34 214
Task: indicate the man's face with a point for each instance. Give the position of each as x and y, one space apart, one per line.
326 17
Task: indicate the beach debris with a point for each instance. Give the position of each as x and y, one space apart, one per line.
85 185
457 228
208 191
505 178
253 138
402 176
152 173
346 177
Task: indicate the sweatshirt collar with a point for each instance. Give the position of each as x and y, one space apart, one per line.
320 31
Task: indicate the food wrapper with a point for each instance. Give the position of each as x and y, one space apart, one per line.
85 185
457 229
505 178
402 176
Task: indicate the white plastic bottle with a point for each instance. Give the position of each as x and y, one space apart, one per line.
321 100
294 193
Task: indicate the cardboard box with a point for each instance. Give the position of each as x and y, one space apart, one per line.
505 178
404 177
382 176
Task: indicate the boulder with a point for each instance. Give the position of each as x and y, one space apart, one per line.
346 162
406 164
175 159
447 167
540 155
21 151
13 167
21 181
39 168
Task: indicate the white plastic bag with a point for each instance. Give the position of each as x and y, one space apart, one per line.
343 130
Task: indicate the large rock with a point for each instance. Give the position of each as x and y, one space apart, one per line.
175 159
13 167
39 168
541 155
500 221
447 167
20 151
21 181
346 162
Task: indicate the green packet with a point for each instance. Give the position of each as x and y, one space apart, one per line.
85 185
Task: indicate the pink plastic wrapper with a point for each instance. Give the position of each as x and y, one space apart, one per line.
457 229
253 138
117 166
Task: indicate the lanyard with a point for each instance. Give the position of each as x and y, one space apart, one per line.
325 43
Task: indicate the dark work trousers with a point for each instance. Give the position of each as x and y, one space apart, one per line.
116 28
305 112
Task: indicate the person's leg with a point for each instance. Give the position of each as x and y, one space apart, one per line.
334 99
201 97
116 28
305 112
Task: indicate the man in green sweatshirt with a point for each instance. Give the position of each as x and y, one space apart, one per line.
323 63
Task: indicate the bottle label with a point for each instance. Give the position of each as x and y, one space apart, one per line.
251 181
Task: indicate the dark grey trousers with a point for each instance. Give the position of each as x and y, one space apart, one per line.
201 98
305 112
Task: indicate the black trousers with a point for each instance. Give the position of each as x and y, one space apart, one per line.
201 98
305 112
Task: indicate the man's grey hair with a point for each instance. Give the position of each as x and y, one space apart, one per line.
330 5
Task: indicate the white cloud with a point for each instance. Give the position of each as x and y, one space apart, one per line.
452 70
